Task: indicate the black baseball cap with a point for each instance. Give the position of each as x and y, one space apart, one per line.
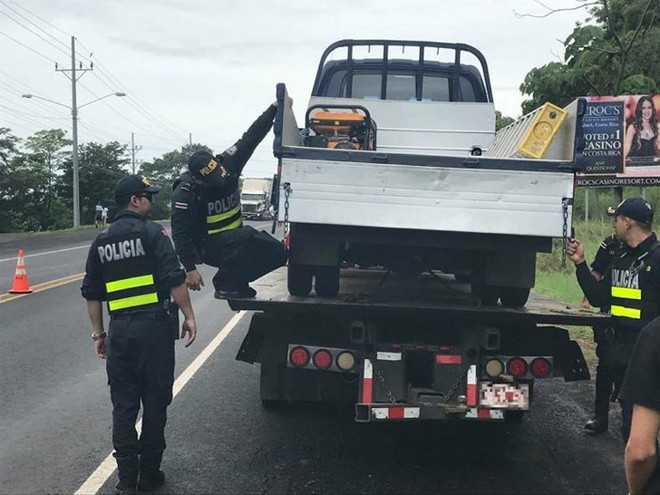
133 184
637 209
207 168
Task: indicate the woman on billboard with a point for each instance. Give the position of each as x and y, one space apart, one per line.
642 131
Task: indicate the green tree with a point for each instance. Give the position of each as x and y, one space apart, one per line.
45 160
100 166
8 183
24 195
502 121
616 53
164 171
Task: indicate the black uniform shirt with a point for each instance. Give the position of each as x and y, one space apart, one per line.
642 383
599 293
188 203
170 273
605 253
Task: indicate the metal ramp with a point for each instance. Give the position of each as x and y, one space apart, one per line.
530 136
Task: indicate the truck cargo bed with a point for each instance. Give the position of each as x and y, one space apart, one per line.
379 292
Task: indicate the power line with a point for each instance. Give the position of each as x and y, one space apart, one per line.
146 110
30 30
42 20
29 48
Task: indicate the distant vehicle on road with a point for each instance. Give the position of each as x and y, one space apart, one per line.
255 198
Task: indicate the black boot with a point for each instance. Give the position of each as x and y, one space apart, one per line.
150 482
127 469
151 477
596 425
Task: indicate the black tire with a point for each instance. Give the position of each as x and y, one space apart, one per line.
488 294
299 280
514 297
327 281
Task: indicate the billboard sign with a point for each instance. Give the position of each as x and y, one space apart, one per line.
621 141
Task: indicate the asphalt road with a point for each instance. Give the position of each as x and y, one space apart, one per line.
55 414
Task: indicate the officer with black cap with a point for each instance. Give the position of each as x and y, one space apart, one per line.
206 219
605 385
133 266
630 287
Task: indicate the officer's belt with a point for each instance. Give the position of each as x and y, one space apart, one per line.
151 315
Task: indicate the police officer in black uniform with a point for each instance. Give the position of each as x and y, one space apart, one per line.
641 387
133 266
631 288
602 335
207 224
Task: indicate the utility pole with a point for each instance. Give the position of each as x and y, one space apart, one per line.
190 139
74 118
134 149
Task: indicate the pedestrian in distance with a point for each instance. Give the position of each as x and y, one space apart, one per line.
641 388
630 287
98 211
104 216
602 335
133 266
207 225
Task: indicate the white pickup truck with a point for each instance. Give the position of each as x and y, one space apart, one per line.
390 168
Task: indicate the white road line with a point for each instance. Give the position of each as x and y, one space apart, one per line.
108 466
49 252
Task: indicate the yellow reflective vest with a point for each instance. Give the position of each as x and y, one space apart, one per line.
128 272
635 297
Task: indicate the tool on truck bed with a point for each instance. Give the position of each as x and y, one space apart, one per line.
340 127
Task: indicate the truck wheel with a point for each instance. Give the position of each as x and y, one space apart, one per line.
299 280
327 281
487 294
514 297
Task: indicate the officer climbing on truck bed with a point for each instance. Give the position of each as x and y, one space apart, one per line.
631 286
206 219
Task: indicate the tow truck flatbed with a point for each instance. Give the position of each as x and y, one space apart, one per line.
383 293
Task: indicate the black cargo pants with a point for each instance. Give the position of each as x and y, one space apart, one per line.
242 255
604 372
140 367
621 347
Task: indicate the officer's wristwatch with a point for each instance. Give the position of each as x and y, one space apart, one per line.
98 336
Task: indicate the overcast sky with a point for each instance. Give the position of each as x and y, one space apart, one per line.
209 67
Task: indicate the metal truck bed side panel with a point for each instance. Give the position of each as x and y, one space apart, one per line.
490 201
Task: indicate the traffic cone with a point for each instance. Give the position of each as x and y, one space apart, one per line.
21 284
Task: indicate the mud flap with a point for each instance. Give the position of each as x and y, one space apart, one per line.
249 349
573 363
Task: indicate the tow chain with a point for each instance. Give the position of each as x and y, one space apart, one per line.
564 205
287 191
388 392
450 393
457 382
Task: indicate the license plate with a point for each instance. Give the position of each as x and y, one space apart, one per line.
504 396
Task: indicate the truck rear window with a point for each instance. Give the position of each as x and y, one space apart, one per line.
401 85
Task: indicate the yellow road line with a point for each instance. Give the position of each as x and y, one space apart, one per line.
4 298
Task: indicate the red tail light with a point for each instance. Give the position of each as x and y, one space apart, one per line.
516 367
299 356
540 367
322 359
